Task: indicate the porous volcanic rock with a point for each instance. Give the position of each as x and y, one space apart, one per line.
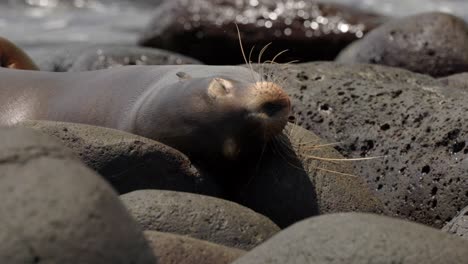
414 130
171 249
203 217
205 29
429 43
129 162
352 238
56 210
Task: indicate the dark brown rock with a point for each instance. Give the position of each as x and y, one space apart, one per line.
129 162
459 225
177 249
82 57
405 119
203 217
299 175
429 43
56 210
205 29
354 238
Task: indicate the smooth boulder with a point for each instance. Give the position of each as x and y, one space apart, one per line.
90 57
198 216
358 238
129 162
56 210
172 249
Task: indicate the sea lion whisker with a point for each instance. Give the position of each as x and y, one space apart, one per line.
250 54
335 172
343 159
243 53
277 55
281 154
260 58
315 146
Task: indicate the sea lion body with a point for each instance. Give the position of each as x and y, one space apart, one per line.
204 111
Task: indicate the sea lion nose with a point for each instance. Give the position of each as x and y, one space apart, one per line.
275 100
274 107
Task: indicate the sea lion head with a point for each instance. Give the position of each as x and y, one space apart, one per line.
216 117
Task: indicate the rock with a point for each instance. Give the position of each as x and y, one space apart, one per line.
198 216
86 57
358 238
55 210
205 29
294 180
129 162
458 81
170 248
458 225
418 133
429 43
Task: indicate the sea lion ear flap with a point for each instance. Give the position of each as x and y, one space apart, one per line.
219 87
183 76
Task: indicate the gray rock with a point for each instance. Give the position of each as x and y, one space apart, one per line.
205 29
295 179
457 81
129 162
404 118
171 249
358 238
429 43
198 216
458 225
89 57
55 210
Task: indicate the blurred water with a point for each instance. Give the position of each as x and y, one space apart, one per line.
50 22
408 7
35 24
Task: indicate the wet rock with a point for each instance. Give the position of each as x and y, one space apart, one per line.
129 162
198 216
56 210
458 225
358 238
85 57
205 29
171 248
429 43
418 133
301 175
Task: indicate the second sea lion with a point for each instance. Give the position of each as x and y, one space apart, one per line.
11 56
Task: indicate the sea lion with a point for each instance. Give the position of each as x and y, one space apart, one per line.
207 112
11 56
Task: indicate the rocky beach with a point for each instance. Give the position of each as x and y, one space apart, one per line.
371 167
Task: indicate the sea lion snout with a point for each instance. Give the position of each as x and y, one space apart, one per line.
270 105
